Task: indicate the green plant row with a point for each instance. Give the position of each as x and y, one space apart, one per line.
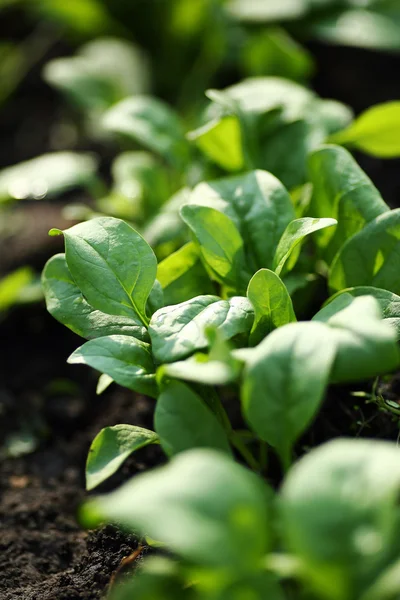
221 314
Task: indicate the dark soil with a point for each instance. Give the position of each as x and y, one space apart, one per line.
44 554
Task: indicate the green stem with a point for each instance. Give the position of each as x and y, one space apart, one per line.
237 443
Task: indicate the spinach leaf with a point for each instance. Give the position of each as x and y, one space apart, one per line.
222 505
127 360
284 383
153 124
112 265
220 140
184 421
339 508
183 276
111 447
370 257
258 204
271 302
365 344
65 302
178 331
376 131
343 191
220 244
389 304
294 235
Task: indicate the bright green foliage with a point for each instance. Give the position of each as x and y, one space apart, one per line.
344 192
340 515
294 235
218 367
111 447
284 383
124 358
14 287
102 73
370 257
65 302
183 420
271 302
112 265
259 206
203 505
151 123
220 140
183 276
376 131
178 331
220 244
389 304
365 345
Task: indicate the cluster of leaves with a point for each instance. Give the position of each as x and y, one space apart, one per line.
222 311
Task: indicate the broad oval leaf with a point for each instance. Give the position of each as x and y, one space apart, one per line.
271 302
339 507
221 141
284 383
65 302
47 175
376 131
370 257
220 243
153 124
112 265
111 447
127 360
184 421
178 331
294 235
258 204
365 344
341 190
202 499
389 304
266 11
183 276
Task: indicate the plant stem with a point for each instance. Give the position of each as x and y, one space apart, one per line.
237 443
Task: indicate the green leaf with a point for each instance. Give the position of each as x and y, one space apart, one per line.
284 383
127 360
365 344
167 225
103 72
339 509
220 243
341 190
14 285
200 500
389 304
112 265
376 131
111 447
65 302
265 11
153 124
216 368
221 141
259 206
271 302
157 579
183 276
294 235
47 175
273 51
370 257
184 421
178 331
374 29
